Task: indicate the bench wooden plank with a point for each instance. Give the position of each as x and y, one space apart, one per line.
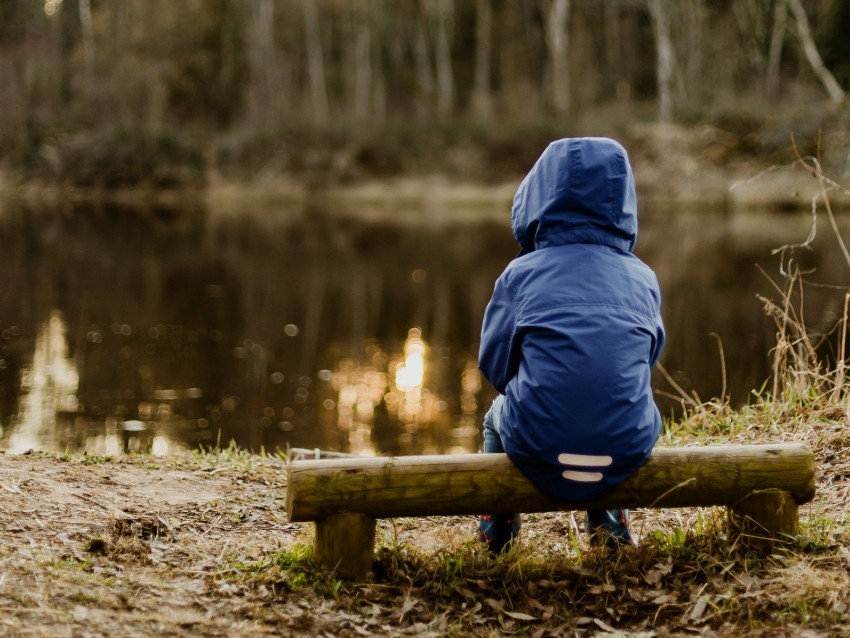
475 483
762 485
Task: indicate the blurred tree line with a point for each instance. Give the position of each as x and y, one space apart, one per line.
113 92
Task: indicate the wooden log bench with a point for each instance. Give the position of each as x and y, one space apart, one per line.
761 485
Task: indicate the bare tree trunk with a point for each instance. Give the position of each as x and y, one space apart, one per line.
774 54
693 71
558 43
424 76
482 101
751 29
658 11
443 11
261 59
87 31
836 94
362 60
315 63
379 86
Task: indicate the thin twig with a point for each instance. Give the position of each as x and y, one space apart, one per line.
685 398
813 166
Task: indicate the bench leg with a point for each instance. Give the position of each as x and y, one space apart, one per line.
762 517
345 543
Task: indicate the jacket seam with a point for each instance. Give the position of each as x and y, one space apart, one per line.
509 286
650 316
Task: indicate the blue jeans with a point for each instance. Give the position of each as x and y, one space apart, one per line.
497 530
492 435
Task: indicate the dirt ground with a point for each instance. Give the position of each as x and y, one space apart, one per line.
192 545
138 546
130 547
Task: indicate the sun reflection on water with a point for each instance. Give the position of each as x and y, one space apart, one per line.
388 404
49 388
401 399
410 379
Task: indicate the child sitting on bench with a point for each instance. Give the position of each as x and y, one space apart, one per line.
570 336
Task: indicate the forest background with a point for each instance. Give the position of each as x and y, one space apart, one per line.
155 93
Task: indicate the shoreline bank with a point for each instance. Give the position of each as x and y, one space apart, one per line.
438 197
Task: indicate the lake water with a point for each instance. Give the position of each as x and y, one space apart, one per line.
312 328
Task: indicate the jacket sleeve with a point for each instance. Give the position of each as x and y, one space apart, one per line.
660 336
498 357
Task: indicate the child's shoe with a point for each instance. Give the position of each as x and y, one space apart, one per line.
609 528
497 530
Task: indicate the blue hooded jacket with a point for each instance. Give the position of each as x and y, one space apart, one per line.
574 325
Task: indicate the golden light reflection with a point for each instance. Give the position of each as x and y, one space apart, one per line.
360 389
389 404
410 373
410 378
49 388
51 7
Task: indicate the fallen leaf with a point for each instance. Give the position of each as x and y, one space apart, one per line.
466 593
406 607
699 608
508 625
520 616
496 605
548 610
659 570
663 599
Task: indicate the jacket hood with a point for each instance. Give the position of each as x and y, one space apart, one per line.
580 190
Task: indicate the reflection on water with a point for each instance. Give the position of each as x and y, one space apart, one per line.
48 405
140 332
390 404
296 330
